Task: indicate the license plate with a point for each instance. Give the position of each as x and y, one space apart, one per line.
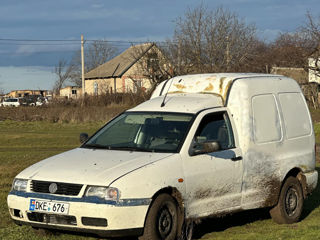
48 206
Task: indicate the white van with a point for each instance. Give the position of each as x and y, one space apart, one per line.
11 102
203 145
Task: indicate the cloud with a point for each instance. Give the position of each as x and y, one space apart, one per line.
31 49
33 77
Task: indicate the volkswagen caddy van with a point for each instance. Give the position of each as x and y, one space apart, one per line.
203 145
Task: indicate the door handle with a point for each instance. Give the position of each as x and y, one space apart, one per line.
236 158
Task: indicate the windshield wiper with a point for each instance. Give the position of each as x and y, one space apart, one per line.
95 146
99 146
131 149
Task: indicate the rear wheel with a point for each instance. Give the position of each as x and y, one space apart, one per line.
162 219
290 203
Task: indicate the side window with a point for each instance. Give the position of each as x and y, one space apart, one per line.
216 127
266 120
295 114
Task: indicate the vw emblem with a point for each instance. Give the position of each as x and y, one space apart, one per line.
53 187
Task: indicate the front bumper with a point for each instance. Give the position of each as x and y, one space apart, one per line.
121 219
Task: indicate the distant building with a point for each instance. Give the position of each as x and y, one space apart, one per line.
25 93
71 92
314 74
298 74
123 73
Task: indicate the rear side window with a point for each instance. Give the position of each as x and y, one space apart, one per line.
295 114
266 120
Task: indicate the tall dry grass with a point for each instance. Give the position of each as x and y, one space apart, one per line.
88 109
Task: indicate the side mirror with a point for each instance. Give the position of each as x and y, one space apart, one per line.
205 147
83 137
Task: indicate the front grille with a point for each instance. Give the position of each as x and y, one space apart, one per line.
52 218
63 188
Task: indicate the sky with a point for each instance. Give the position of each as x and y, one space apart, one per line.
30 65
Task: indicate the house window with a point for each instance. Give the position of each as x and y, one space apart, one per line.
74 92
137 85
153 61
95 88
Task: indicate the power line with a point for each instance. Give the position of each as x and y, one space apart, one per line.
77 41
38 40
38 44
69 44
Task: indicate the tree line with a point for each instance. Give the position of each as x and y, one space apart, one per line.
209 41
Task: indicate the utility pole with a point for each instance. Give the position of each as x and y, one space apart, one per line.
179 57
228 52
82 67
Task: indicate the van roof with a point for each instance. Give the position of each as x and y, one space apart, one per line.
216 83
180 102
193 93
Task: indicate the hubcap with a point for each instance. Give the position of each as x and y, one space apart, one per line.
291 201
164 222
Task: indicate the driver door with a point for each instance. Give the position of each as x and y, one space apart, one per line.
213 180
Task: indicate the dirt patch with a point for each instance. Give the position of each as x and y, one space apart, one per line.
202 193
273 187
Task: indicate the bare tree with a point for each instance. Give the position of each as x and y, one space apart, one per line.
210 41
311 29
63 71
96 53
289 50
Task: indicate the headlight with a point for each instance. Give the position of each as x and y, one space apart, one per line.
107 193
20 185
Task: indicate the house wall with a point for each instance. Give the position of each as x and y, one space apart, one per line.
136 73
103 86
67 92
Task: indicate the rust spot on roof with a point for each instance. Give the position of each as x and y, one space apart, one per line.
226 90
179 86
212 78
209 87
221 84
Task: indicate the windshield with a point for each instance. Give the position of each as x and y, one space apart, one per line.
154 132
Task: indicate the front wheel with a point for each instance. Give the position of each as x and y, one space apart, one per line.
290 203
162 219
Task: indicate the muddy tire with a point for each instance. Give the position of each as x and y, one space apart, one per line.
290 203
162 219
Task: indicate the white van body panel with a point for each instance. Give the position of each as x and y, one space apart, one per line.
266 164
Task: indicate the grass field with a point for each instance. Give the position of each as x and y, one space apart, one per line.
24 143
